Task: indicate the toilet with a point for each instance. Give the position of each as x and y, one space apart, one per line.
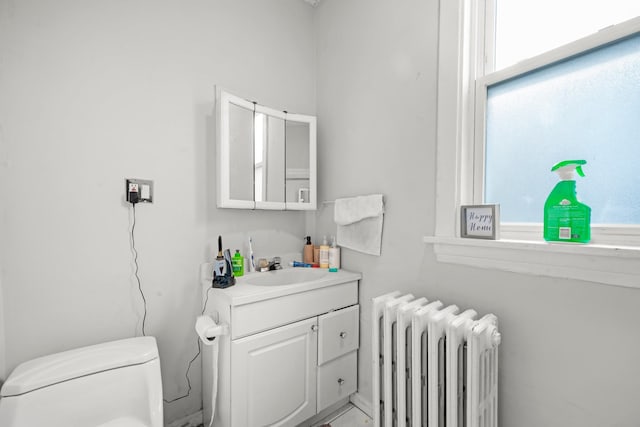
114 384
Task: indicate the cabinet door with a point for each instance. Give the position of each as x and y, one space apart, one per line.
273 376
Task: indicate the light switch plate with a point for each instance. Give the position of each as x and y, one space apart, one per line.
144 188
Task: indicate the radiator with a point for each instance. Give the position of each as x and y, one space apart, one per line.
433 366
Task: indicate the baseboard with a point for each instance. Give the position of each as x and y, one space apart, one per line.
193 420
362 403
327 414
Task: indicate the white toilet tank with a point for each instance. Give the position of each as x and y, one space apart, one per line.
115 384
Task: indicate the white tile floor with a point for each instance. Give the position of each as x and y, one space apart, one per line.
350 417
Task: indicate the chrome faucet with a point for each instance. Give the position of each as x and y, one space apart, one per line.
274 264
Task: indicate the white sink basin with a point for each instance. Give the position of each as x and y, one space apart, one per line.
287 276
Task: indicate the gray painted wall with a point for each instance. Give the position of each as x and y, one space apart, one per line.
570 350
94 92
2 340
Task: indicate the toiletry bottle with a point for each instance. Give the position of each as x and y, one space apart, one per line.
334 254
324 253
308 251
299 264
565 218
238 264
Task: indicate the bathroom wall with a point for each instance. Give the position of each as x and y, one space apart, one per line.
94 92
570 349
2 340
377 65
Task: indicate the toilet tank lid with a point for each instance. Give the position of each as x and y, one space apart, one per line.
59 367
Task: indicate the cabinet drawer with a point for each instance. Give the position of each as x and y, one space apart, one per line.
260 316
338 333
337 379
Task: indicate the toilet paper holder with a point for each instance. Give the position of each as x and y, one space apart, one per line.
208 330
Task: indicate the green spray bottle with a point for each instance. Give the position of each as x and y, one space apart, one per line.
565 218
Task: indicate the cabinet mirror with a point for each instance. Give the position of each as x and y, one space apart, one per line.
266 158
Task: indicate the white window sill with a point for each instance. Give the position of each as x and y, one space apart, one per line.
605 264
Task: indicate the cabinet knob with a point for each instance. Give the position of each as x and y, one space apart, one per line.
314 328
343 335
340 381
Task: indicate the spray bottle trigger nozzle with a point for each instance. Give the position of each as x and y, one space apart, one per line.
566 168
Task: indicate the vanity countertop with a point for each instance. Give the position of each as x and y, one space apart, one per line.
245 292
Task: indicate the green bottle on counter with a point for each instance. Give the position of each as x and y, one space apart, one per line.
237 264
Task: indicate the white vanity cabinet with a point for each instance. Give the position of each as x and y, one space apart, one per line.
291 351
273 376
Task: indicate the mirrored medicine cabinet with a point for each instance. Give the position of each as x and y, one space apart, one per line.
266 159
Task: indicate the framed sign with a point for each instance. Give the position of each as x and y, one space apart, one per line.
480 221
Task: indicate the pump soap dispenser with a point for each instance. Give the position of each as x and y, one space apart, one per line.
308 251
565 218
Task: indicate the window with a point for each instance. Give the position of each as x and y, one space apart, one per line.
581 98
526 28
467 88
586 107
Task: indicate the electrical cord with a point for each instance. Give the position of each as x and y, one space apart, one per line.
135 261
193 359
144 300
186 375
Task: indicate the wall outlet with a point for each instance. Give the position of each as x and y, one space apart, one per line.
142 187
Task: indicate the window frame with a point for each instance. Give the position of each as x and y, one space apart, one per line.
466 31
601 233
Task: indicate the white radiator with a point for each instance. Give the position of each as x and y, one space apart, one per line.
433 366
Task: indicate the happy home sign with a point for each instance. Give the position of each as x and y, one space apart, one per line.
480 221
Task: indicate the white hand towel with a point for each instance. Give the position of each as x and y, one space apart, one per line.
360 221
354 209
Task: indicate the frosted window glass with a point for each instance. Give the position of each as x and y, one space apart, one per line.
588 108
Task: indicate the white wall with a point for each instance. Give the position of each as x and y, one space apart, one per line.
570 350
2 340
376 115
94 92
